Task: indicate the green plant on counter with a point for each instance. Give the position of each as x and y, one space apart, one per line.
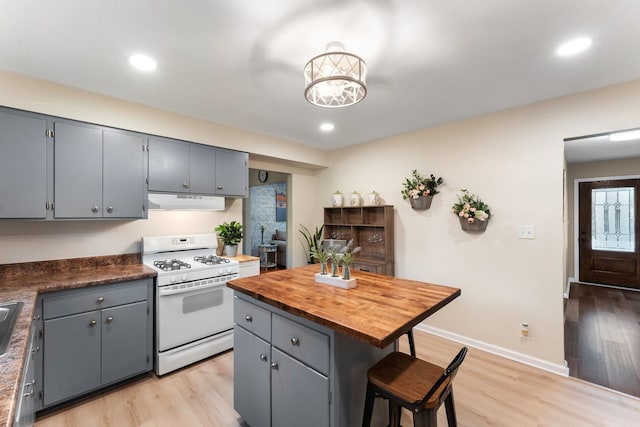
311 241
230 233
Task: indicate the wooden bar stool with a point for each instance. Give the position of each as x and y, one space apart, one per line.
415 384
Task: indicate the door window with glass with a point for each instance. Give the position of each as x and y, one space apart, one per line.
608 232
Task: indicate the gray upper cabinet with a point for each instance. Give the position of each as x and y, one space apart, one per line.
124 193
202 169
23 165
98 172
184 167
232 173
168 165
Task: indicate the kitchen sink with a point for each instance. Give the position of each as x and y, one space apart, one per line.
8 315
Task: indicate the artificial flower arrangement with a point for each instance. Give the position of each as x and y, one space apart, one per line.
420 186
471 207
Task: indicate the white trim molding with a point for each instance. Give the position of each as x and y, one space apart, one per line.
567 288
500 351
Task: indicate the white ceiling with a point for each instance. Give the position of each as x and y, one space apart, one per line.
599 147
240 62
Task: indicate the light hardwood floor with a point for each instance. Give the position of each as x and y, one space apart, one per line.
489 391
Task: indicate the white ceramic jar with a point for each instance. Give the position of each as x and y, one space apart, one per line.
355 199
337 199
374 198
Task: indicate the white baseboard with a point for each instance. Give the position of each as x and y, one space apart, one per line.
567 288
503 352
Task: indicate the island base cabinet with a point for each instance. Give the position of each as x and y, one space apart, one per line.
71 356
252 383
299 395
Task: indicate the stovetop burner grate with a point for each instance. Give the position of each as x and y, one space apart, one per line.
210 259
171 265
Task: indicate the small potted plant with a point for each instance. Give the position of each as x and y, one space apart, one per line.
321 255
420 189
230 234
347 256
472 212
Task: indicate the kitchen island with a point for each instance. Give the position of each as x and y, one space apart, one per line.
302 349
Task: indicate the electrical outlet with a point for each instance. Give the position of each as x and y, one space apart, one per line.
524 330
526 232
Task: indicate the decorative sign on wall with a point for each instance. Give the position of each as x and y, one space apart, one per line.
281 207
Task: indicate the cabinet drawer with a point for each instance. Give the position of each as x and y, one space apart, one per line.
253 318
309 346
372 268
87 299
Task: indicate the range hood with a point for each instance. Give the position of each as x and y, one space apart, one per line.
161 201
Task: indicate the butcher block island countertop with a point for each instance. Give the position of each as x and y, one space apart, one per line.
378 311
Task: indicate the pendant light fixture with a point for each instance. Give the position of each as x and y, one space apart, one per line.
335 78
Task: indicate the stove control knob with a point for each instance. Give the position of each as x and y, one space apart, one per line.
174 279
185 278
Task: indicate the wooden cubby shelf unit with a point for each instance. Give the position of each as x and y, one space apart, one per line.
371 228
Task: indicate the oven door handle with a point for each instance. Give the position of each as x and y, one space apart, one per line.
176 289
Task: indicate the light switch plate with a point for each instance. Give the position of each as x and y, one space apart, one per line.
526 232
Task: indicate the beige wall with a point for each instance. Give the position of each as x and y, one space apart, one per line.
602 169
512 159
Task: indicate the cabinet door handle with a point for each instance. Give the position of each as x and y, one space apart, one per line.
92 323
185 185
274 366
219 187
248 318
295 341
94 208
100 300
110 209
263 357
109 319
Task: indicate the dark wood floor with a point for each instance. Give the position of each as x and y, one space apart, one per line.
602 336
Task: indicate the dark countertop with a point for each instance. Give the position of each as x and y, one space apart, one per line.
378 311
25 281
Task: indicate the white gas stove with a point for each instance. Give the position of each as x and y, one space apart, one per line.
194 308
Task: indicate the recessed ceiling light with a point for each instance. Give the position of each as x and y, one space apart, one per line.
625 136
574 46
327 127
142 62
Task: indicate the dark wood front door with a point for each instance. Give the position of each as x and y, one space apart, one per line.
609 232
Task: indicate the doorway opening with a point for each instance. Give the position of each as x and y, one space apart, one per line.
602 305
265 215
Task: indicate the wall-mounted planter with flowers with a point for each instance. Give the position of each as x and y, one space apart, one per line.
420 189
472 212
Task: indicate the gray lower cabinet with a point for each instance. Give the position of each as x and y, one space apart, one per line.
26 404
23 164
99 172
252 382
273 385
289 371
94 337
